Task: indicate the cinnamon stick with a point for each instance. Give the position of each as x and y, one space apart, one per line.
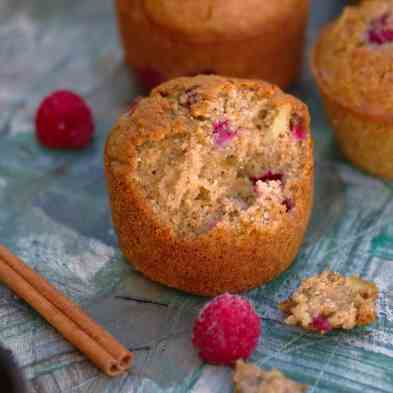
64 315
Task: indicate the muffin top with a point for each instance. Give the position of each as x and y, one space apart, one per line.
207 152
354 56
210 20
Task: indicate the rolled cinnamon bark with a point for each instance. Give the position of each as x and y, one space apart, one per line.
64 315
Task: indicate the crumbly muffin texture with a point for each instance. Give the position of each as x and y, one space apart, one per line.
248 378
353 58
231 155
331 301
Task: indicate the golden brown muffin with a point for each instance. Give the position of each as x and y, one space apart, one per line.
211 183
352 63
247 39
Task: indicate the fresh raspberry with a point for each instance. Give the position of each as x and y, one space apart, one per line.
227 329
64 121
222 132
149 77
297 127
266 177
381 30
321 324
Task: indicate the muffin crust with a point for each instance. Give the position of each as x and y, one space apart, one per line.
210 185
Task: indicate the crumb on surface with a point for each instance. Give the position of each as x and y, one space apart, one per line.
248 378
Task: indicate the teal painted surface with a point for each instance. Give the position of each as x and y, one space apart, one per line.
54 214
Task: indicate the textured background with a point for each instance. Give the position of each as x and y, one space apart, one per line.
54 214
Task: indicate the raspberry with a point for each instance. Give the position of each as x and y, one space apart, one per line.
381 30
64 121
227 329
222 132
297 127
268 176
149 77
321 324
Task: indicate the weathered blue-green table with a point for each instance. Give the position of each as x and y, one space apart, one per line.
54 214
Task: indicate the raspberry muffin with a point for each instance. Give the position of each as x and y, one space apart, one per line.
211 183
248 39
352 66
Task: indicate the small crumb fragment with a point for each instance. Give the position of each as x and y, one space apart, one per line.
248 378
331 301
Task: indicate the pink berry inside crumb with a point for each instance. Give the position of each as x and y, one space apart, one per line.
64 121
227 329
321 324
266 177
222 132
133 105
381 30
149 77
297 127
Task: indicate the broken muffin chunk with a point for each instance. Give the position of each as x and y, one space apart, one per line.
248 378
331 301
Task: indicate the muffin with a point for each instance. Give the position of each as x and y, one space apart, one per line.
247 39
352 64
211 183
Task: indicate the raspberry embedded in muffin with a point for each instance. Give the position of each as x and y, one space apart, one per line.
207 182
381 29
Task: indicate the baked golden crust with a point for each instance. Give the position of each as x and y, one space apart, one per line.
355 78
223 258
367 143
263 41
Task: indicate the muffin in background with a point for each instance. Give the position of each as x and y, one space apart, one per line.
211 183
352 64
248 39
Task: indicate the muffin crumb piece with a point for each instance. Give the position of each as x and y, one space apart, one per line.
248 378
331 301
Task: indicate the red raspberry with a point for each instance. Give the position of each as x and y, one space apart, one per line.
381 30
297 127
64 121
266 177
222 132
321 324
227 329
